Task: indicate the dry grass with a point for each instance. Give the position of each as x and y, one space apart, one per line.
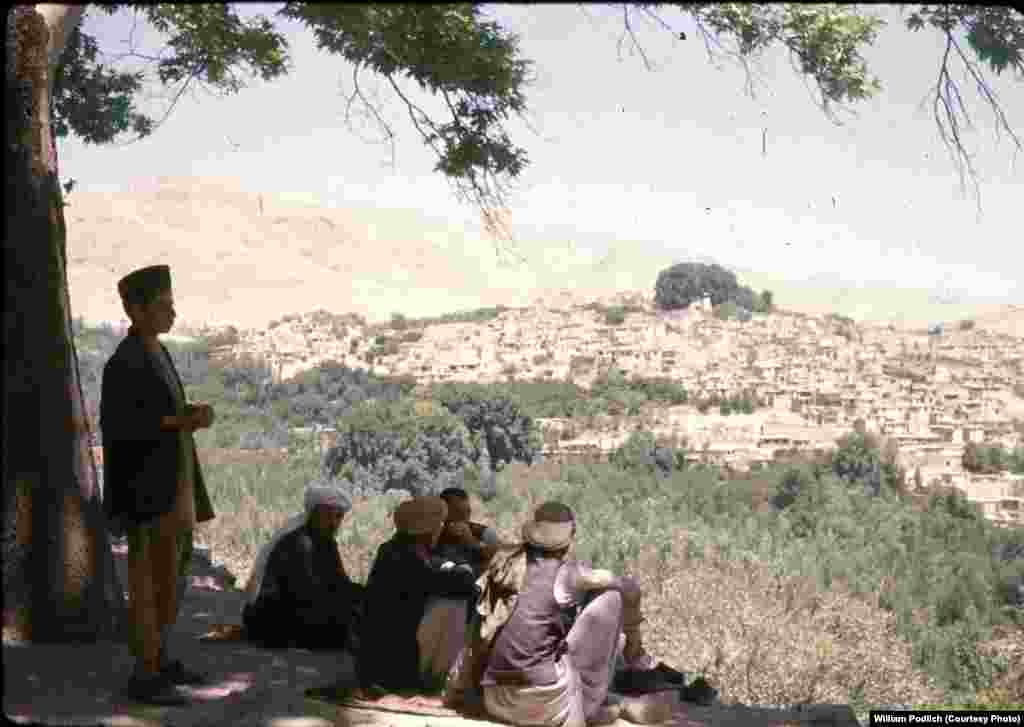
771 640
761 639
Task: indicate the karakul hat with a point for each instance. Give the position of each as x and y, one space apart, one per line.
552 527
421 515
139 285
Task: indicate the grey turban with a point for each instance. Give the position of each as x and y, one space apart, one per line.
322 493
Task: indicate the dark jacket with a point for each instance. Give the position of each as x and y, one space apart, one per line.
397 589
140 461
306 598
305 571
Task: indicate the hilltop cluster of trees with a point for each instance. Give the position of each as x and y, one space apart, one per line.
685 283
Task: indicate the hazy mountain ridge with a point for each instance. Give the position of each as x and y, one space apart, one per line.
246 259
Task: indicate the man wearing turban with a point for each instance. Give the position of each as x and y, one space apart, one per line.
299 593
553 630
155 492
416 604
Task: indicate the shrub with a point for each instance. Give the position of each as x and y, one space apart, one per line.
989 459
382 446
391 348
641 452
615 316
726 311
765 302
858 460
399 322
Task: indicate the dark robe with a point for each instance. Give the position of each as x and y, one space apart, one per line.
449 548
397 590
306 598
140 461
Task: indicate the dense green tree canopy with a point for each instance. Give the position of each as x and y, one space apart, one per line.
496 422
685 283
475 67
400 445
861 459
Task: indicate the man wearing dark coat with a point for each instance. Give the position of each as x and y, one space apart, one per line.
415 608
299 592
154 492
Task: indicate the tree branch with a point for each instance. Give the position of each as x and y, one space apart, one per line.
174 102
943 107
986 93
632 37
357 94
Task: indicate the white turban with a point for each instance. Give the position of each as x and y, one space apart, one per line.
317 493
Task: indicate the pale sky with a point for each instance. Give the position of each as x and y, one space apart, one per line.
663 162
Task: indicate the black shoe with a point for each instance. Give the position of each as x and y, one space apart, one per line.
156 690
699 692
669 674
176 673
642 681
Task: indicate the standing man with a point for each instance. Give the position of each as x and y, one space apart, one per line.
155 493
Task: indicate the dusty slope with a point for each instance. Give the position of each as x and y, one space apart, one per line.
233 265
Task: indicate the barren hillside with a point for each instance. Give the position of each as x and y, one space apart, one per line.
233 264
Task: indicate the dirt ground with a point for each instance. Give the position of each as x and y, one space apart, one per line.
64 684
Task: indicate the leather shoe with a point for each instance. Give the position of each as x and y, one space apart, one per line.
155 690
176 673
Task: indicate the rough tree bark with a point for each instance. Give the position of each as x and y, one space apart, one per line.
59 580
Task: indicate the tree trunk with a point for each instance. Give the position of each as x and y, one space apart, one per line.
59 581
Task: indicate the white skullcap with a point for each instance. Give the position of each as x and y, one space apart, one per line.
321 493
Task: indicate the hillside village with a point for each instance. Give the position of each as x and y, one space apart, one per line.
930 390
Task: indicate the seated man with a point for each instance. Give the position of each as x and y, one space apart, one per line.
554 629
462 540
416 603
299 593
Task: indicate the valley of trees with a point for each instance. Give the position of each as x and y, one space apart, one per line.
56 84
